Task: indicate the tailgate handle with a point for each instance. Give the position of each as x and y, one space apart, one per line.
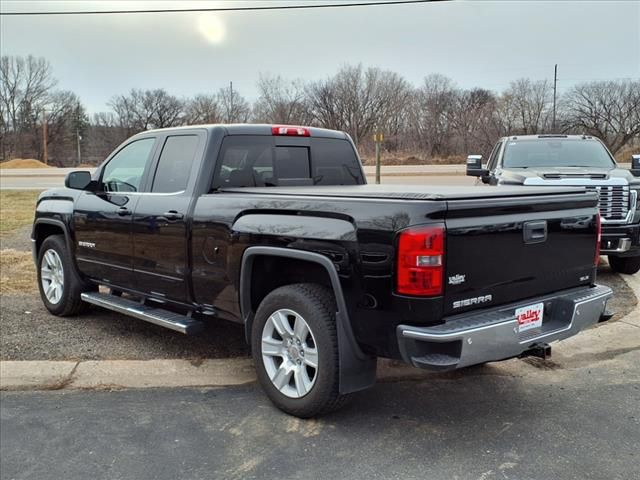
535 232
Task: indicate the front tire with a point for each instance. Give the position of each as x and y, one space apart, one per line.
628 265
60 286
295 347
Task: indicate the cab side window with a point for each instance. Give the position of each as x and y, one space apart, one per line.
174 166
245 161
124 171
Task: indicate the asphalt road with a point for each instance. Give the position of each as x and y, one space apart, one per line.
482 423
41 179
42 183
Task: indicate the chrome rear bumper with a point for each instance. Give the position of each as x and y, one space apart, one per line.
492 334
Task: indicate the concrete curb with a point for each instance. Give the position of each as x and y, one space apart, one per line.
116 374
105 374
604 342
35 375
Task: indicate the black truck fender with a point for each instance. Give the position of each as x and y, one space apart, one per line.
59 224
357 369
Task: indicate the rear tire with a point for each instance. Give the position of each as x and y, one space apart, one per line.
59 284
628 265
295 347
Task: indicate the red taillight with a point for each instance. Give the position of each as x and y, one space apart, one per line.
290 130
420 261
599 238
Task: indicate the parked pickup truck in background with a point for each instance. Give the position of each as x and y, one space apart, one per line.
274 227
574 160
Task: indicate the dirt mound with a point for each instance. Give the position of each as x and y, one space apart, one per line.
23 163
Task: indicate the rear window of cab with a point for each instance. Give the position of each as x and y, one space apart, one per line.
256 161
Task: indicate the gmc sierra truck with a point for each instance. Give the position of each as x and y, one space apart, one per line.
574 160
274 227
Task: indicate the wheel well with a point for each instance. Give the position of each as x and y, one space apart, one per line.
45 230
271 272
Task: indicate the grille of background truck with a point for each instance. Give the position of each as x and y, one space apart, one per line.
614 202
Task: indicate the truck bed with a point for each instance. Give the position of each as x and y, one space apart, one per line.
490 252
409 192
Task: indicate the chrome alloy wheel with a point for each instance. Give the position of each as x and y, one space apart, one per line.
52 276
289 353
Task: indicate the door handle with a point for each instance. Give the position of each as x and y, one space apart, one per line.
123 211
535 232
173 215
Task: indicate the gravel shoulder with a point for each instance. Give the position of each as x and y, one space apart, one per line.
29 332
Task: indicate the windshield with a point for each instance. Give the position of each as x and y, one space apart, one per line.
556 153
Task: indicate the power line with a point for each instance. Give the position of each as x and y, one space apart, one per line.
224 9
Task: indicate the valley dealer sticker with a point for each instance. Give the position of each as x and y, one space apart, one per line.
530 317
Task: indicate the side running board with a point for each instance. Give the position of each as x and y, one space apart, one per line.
157 316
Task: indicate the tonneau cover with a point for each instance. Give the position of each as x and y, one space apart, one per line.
410 192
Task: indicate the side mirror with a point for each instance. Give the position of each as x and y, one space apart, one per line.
474 166
78 180
635 165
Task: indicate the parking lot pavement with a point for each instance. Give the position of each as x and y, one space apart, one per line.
580 423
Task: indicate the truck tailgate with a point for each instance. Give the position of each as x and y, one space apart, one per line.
506 249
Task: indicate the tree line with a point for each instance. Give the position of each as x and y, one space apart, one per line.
433 120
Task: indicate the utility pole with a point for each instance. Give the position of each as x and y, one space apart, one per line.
78 138
378 138
230 101
555 85
45 149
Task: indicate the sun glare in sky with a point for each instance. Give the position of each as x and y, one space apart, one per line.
212 28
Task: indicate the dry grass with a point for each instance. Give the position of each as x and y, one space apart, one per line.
16 209
408 158
23 163
624 154
17 272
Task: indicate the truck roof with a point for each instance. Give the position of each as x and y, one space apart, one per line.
251 129
547 136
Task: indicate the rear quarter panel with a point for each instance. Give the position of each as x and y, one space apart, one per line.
358 235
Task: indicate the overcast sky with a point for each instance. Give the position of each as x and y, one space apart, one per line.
476 43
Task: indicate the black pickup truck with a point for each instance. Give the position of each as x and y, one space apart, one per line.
274 227
574 160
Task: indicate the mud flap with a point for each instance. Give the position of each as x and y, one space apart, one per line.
357 370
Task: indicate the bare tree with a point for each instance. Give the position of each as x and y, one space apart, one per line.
531 101
25 83
234 107
203 109
281 101
358 100
433 109
473 119
144 109
104 133
65 120
609 110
